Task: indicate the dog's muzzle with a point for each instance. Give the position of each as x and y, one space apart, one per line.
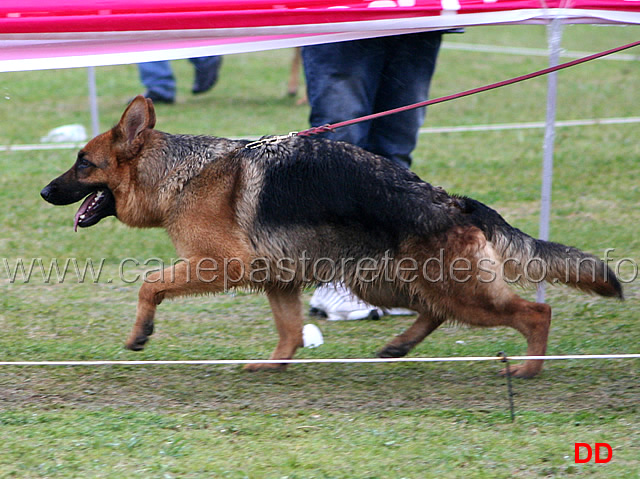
99 202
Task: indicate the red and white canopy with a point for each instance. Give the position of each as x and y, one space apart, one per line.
46 34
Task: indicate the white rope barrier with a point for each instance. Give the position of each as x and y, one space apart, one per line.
422 131
220 362
42 147
528 125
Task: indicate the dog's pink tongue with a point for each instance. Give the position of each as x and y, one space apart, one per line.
81 211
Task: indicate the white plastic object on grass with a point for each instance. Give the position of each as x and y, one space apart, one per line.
64 133
311 336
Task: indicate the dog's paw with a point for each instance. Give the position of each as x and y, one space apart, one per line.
393 351
522 371
255 367
139 337
137 343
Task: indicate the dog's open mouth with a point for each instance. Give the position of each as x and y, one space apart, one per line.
96 206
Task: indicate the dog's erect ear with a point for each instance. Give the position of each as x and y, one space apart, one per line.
138 116
152 113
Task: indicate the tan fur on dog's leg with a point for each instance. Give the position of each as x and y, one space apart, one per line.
533 321
178 280
148 300
287 313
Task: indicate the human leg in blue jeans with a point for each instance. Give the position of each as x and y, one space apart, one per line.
347 80
351 79
206 73
160 82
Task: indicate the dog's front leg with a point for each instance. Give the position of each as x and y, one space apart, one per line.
287 313
181 279
149 297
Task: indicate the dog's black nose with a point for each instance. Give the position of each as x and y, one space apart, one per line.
46 192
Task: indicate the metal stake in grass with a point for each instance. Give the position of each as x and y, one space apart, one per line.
510 392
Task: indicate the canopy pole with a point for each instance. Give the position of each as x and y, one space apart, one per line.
554 39
93 101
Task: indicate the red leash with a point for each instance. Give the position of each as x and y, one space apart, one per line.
322 129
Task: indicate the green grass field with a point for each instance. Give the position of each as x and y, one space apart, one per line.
444 420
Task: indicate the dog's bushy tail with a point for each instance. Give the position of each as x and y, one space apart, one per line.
527 260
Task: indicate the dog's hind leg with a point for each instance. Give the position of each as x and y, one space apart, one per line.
399 346
287 313
532 320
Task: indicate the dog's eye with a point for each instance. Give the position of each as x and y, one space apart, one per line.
83 163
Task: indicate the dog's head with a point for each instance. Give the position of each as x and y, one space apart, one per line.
102 166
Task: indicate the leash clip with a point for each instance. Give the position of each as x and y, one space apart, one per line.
269 140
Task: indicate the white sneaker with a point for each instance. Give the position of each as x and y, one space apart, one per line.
337 303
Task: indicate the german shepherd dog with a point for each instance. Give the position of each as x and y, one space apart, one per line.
285 212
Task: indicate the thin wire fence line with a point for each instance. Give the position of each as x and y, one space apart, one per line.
212 362
41 146
528 125
429 130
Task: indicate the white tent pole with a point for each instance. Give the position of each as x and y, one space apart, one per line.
554 39
93 101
